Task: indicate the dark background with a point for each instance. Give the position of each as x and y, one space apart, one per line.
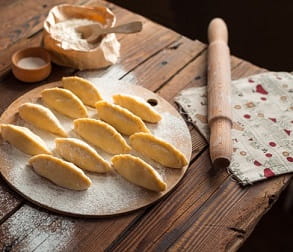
260 32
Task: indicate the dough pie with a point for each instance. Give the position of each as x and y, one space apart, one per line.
138 107
64 101
24 139
120 118
60 172
102 135
158 150
138 172
84 89
81 154
41 117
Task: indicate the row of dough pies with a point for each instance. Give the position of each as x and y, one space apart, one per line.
126 116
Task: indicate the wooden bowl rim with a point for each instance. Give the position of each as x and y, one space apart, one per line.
44 55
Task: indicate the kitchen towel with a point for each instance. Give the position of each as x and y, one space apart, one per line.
262 133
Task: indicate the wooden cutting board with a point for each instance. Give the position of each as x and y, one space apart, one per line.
110 194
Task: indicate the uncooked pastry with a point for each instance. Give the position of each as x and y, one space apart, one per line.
81 154
85 90
64 101
102 135
138 172
60 172
23 139
120 118
41 117
158 150
138 107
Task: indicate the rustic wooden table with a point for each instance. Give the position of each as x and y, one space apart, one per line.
205 212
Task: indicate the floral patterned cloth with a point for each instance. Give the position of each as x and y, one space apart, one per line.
262 131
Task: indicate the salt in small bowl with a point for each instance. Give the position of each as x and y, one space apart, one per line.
31 64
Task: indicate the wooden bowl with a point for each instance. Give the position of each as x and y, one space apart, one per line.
31 74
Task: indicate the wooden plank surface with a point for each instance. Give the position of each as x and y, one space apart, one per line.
201 207
21 23
101 231
132 55
9 201
164 233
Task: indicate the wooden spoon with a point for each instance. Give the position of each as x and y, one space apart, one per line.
92 32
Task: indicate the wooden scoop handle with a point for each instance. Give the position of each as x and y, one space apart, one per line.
93 31
126 28
219 94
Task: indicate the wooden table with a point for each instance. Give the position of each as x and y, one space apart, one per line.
205 212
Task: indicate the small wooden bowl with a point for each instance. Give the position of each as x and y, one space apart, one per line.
35 74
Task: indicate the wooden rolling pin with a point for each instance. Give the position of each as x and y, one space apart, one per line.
219 94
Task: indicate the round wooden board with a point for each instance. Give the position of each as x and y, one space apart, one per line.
109 194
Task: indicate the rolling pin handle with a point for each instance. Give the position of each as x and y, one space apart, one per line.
217 31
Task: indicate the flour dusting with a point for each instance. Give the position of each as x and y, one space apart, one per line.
110 193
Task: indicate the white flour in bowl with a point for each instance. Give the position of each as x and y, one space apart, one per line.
69 38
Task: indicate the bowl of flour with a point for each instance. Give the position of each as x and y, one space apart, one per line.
66 45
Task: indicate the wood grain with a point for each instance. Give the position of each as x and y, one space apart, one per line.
111 222
192 75
167 62
211 220
202 204
46 242
21 23
22 19
28 36
165 219
157 40
230 220
9 202
133 56
32 228
110 237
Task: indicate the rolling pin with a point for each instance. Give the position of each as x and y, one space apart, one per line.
219 94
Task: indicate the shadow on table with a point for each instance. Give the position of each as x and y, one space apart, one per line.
260 32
